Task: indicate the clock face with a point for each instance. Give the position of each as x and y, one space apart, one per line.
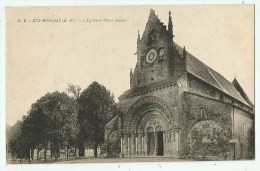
151 55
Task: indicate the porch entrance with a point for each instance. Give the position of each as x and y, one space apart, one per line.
155 144
159 143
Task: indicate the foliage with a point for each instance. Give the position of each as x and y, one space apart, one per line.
113 148
57 121
96 108
52 120
74 90
14 131
15 141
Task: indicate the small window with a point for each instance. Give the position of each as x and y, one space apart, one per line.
203 113
221 97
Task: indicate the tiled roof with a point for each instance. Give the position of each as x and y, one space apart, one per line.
207 74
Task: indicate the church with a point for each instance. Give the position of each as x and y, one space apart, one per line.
179 107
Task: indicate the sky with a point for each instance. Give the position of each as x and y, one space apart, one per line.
44 57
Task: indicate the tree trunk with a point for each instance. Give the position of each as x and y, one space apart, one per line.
95 149
45 158
67 152
75 150
29 156
81 150
56 153
51 153
32 153
20 160
38 151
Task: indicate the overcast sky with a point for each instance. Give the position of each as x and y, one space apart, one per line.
45 57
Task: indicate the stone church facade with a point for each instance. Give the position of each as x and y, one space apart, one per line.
179 107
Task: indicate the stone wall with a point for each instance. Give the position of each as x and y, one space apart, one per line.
206 128
243 125
199 86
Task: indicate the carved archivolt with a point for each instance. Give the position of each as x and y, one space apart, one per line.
150 109
151 119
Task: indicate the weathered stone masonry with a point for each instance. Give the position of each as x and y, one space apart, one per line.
177 106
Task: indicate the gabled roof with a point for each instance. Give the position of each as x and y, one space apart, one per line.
210 76
241 91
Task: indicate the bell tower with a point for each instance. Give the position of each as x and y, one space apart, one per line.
154 52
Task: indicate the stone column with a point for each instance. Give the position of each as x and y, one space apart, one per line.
128 146
142 145
124 147
177 140
132 145
121 145
136 145
155 144
145 144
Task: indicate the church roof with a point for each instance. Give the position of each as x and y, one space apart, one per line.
210 76
241 91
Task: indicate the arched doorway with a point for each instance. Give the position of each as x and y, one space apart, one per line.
145 127
153 127
150 141
160 146
155 143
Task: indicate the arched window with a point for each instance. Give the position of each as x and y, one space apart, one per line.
203 113
243 128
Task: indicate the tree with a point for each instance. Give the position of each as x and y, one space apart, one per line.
96 108
18 147
75 90
13 136
51 121
19 143
14 131
62 120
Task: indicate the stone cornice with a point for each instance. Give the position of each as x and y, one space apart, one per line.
147 88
